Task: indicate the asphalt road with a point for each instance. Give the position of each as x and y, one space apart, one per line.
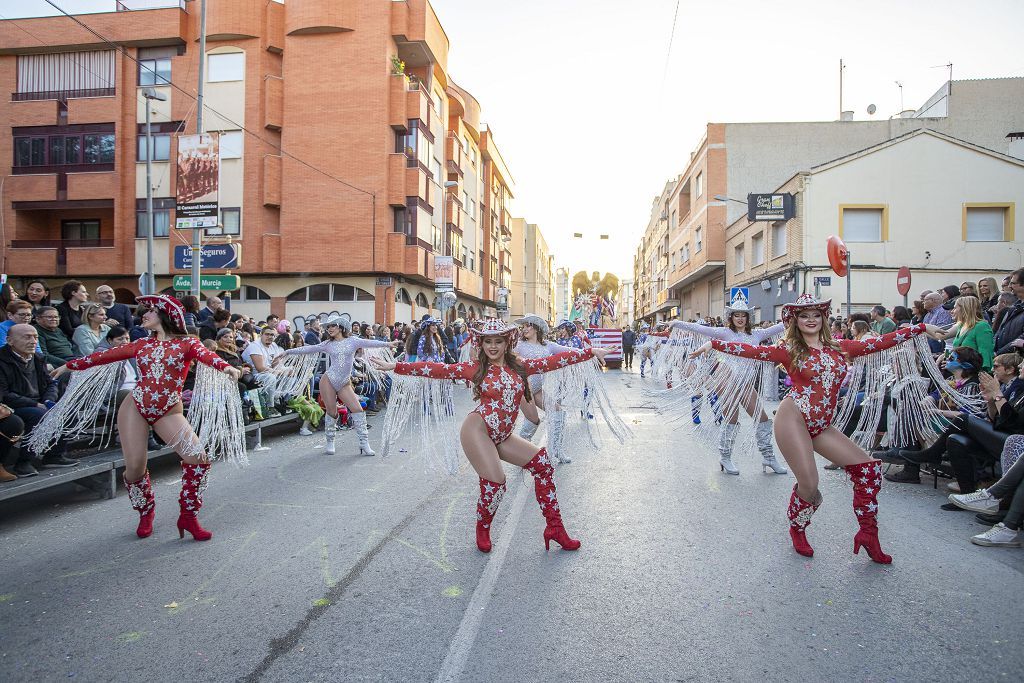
347 568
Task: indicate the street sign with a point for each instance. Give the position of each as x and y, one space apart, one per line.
385 281
229 283
215 256
903 281
823 280
739 293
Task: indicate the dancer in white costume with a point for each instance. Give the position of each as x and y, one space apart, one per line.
731 391
533 330
336 383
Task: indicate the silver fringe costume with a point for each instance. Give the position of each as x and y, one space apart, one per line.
555 416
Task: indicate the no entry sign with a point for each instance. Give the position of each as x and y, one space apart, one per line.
903 281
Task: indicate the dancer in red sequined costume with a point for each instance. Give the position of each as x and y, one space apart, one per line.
500 382
803 424
163 360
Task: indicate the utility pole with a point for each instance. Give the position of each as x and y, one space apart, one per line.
840 87
197 233
150 94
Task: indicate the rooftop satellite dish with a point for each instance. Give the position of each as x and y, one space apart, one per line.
872 109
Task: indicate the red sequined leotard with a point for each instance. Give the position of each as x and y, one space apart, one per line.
502 389
818 376
163 366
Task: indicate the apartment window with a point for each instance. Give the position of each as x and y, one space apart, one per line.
757 249
231 144
862 224
225 67
155 71
686 253
988 223
63 150
161 223
779 239
80 230
738 259
435 167
698 185
65 74
231 221
698 240
494 269
161 147
673 261
675 219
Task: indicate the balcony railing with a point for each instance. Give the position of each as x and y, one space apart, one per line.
61 94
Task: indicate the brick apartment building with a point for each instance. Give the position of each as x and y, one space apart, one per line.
334 161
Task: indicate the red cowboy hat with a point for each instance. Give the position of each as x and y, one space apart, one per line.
804 303
167 304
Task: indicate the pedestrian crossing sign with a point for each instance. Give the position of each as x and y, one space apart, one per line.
739 294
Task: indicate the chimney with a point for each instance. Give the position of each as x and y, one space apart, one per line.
1016 145
846 116
908 113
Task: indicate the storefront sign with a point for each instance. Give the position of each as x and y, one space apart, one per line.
196 204
770 207
385 281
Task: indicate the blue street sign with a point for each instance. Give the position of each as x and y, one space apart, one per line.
215 256
825 281
739 293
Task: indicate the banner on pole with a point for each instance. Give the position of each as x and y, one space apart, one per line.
196 205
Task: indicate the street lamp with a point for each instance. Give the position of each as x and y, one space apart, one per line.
723 198
151 94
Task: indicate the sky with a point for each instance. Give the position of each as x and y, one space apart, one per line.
593 109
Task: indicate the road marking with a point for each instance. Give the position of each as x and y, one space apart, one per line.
472 619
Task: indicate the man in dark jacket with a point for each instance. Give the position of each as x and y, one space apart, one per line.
27 388
115 311
628 342
1011 327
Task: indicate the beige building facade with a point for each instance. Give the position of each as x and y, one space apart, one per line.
532 278
943 207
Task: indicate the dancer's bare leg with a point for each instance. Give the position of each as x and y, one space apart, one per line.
797 448
480 450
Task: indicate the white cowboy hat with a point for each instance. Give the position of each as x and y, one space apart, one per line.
533 319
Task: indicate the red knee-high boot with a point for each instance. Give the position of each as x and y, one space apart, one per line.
800 513
491 494
544 488
140 494
867 480
193 483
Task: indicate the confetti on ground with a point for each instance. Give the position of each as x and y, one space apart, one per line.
173 605
322 602
7 597
452 592
130 637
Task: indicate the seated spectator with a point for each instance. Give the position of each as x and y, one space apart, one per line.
137 331
191 305
1011 325
38 294
313 332
18 312
272 321
209 328
988 294
93 329
75 296
917 312
26 386
260 354
284 334
880 322
949 294
11 429
989 501
860 330
213 304
935 314
902 316
971 329
297 340
118 314
1004 302
965 365
968 289
53 345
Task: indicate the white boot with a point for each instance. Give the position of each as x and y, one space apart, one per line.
528 429
359 420
556 429
726 438
306 429
764 444
330 425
